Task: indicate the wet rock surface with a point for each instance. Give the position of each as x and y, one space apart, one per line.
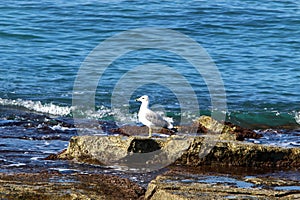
74 186
201 183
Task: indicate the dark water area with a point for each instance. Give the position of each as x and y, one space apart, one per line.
26 139
254 45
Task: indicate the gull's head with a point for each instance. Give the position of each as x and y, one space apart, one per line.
143 99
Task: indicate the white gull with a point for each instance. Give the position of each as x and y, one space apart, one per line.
150 118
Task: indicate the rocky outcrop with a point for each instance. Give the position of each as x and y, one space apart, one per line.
135 152
220 147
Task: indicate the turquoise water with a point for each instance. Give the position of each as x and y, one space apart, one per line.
255 46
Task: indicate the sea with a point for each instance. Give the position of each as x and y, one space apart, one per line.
54 52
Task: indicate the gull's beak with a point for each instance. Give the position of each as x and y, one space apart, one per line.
137 99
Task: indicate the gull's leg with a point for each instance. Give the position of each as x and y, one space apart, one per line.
150 132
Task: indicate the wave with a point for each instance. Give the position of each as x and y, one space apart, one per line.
101 112
37 106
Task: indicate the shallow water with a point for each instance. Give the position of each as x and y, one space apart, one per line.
236 178
213 180
282 138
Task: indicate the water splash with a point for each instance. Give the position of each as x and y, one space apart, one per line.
297 117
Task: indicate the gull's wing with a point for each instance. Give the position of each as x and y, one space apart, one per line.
156 119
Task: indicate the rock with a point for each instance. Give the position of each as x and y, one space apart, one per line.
96 149
185 186
150 154
129 130
66 187
140 153
235 153
242 133
228 130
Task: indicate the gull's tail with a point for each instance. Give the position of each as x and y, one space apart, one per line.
174 130
170 124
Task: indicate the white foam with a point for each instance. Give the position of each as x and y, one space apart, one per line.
297 144
160 135
37 106
60 128
15 165
64 170
36 158
56 110
101 112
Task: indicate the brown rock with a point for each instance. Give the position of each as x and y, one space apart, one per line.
128 130
209 125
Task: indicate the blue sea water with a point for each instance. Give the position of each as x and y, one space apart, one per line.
254 44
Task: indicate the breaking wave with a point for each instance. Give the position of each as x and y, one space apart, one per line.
37 106
55 110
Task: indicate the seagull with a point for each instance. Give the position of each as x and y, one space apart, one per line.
150 118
